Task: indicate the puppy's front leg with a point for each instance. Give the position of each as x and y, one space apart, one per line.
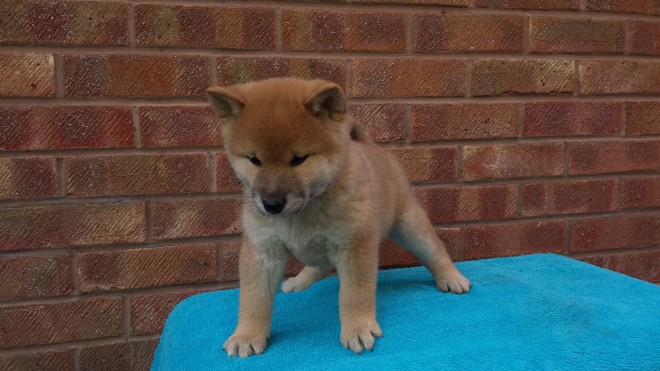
357 268
260 276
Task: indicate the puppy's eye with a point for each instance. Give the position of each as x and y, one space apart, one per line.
297 160
254 160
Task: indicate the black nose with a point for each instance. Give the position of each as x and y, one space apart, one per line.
274 205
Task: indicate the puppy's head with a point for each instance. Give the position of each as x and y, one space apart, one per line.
286 139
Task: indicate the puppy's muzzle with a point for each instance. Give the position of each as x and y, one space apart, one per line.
274 204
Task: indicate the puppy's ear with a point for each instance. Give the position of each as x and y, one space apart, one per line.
327 101
224 102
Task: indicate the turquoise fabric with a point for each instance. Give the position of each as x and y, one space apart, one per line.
524 313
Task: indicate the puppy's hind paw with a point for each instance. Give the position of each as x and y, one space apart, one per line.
296 284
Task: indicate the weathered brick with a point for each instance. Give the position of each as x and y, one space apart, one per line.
34 276
71 225
615 232
461 3
193 218
644 38
393 255
53 360
230 252
179 126
57 127
335 31
643 265
619 77
136 175
530 4
640 192
428 164
463 121
27 75
381 122
135 75
613 157
576 35
569 197
149 312
63 22
226 179
209 27
22 178
521 76
134 355
642 118
446 32
568 118
500 161
146 267
488 241
408 77
453 204
625 6
234 70
57 323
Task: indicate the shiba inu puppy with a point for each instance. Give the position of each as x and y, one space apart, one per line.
317 188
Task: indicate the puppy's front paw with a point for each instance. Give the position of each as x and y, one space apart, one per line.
297 283
245 345
360 335
453 282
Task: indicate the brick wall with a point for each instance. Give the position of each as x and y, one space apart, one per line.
526 126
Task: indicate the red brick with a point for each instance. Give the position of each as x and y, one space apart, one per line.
530 4
568 118
393 255
34 276
53 360
640 192
521 76
408 78
569 197
230 252
454 204
63 22
179 126
227 180
22 178
447 32
462 3
149 312
71 225
438 122
334 31
642 265
135 75
134 355
57 127
146 267
488 241
642 118
428 164
619 77
615 232
500 161
234 70
381 122
27 75
207 27
576 35
625 6
194 218
644 37
136 175
613 157
57 323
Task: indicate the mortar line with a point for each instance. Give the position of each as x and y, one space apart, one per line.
58 66
132 36
137 129
61 176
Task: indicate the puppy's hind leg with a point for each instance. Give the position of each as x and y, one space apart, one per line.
414 232
304 279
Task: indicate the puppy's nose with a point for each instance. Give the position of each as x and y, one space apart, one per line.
274 205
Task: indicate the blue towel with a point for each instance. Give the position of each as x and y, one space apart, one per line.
531 312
